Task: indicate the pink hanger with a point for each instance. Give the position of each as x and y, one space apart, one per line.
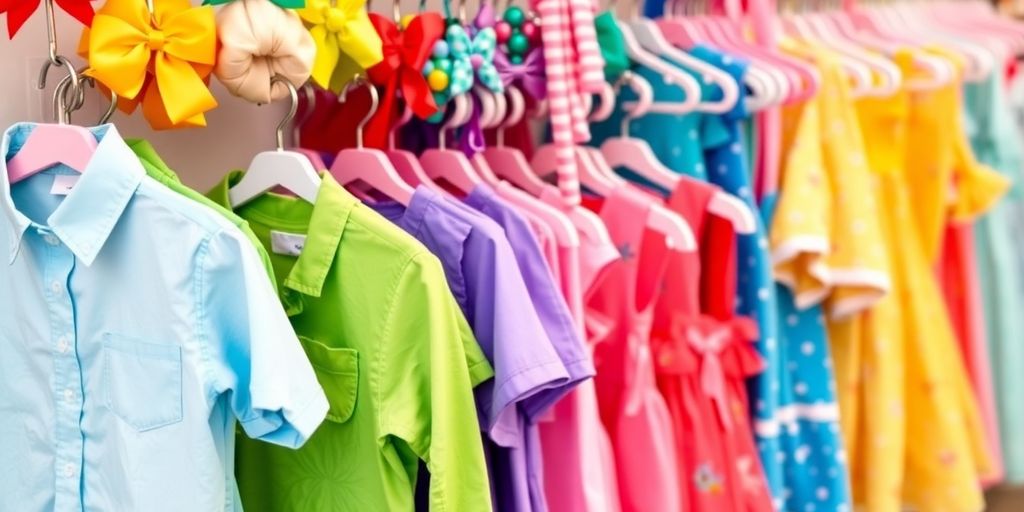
368 165
451 165
52 144
510 163
488 115
405 162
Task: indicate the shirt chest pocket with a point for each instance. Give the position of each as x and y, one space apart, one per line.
337 370
142 382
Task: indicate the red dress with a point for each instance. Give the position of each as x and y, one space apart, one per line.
703 354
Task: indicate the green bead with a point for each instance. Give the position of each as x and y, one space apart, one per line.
444 65
451 21
516 59
518 44
515 16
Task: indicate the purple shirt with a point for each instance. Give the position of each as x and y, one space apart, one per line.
482 271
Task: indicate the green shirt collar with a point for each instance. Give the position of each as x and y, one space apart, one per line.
155 166
322 223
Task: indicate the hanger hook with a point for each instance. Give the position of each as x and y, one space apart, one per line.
293 94
396 10
628 78
357 81
402 121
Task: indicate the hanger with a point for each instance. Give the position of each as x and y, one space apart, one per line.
637 155
52 144
451 165
270 169
860 77
886 75
488 112
368 166
510 163
800 80
404 161
650 37
309 105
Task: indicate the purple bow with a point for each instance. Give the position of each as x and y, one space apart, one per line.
528 76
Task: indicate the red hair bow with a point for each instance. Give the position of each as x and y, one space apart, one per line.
405 53
19 11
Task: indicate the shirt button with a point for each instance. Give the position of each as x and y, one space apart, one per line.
56 287
69 395
63 345
51 240
69 470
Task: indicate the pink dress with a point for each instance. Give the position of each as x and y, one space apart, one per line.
632 409
703 354
579 464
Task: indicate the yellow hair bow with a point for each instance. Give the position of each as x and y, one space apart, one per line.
166 56
346 41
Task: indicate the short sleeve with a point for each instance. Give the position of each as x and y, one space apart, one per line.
425 387
976 187
857 262
512 335
253 357
714 132
800 231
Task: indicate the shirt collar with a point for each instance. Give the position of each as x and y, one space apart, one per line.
323 222
87 216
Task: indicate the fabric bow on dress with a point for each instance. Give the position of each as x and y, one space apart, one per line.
19 11
164 57
346 42
405 53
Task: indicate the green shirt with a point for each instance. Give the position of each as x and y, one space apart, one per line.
159 171
393 352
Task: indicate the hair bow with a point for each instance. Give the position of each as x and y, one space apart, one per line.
405 53
529 75
335 28
166 57
475 54
284 4
19 11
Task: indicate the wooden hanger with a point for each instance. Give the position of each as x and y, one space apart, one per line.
270 169
369 166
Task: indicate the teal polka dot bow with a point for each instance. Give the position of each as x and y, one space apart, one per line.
463 59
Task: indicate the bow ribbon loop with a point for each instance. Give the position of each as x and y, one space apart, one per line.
176 45
347 26
712 375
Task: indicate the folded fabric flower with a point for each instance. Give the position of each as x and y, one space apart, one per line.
165 57
19 11
284 4
346 42
406 51
258 41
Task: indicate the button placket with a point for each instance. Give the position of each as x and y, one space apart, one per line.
67 390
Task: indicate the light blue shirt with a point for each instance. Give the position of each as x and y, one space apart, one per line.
135 327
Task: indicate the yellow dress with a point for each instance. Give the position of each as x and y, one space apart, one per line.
838 227
912 393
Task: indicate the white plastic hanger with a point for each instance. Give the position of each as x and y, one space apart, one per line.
279 168
369 165
650 37
670 74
